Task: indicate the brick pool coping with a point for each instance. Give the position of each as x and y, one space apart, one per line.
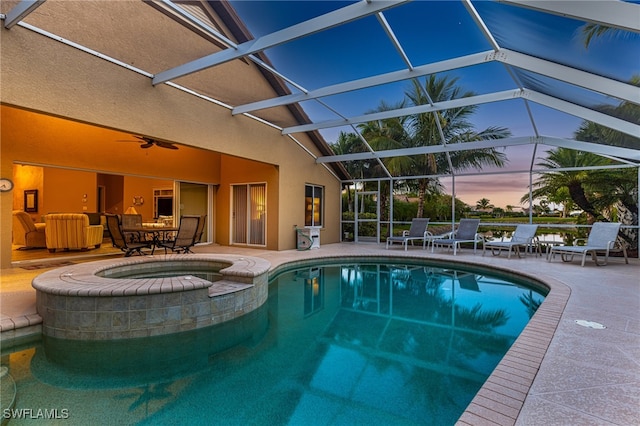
502 395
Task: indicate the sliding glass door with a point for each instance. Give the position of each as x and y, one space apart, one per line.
195 199
248 215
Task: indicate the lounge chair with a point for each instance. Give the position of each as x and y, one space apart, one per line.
185 237
119 241
417 231
27 233
522 237
467 232
602 238
71 231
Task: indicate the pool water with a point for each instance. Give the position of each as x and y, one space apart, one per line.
155 271
367 343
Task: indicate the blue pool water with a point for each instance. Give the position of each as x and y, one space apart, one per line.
367 343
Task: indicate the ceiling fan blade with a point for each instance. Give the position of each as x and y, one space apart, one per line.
143 138
147 142
167 145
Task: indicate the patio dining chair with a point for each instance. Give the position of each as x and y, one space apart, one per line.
200 231
184 238
467 232
602 238
131 221
417 231
120 241
522 238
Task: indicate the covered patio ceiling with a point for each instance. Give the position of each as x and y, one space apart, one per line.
524 60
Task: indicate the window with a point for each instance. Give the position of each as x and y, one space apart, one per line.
162 202
313 205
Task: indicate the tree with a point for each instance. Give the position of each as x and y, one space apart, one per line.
562 197
348 143
625 186
447 126
592 31
426 129
576 182
498 212
484 204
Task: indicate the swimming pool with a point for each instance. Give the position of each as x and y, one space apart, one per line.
381 343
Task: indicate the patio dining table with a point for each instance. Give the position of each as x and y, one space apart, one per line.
153 233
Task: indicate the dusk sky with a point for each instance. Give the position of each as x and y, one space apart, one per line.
432 31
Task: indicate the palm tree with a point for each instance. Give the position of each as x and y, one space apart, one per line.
450 126
593 132
576 182
434 128
387 134
484 204
592 31
390 133
345 144
625 185
562 197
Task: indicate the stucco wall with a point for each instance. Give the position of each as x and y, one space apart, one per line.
64 191
42 75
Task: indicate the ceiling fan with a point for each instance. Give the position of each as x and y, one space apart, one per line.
147 142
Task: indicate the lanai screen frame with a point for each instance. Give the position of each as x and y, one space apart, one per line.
612 13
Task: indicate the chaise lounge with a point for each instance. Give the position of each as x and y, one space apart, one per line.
602 238
417 231
467 232
522 238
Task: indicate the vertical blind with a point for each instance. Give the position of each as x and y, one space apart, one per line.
249 214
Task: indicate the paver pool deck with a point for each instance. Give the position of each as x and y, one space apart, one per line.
558 372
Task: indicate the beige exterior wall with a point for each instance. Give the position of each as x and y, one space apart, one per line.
63 107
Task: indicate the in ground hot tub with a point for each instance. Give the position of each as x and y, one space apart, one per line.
148 296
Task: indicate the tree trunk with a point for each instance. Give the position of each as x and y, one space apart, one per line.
627 217
422 192
578 196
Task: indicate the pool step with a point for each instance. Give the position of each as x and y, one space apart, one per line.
225 287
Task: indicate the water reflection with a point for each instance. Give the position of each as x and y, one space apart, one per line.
144 361
434 314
